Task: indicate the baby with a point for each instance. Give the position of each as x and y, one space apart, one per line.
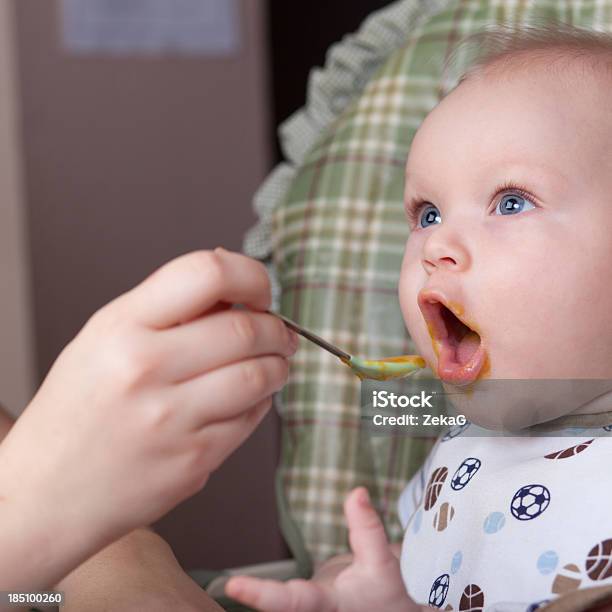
506 275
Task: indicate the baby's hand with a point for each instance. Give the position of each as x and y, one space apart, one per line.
371 582
157 389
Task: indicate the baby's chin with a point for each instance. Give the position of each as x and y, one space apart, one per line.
483 404
510 395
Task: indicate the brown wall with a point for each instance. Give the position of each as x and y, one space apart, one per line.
16 342
128 163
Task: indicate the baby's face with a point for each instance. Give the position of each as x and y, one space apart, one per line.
515 231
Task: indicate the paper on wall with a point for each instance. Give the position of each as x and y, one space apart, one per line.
195 27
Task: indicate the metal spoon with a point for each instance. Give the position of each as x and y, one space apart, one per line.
377 369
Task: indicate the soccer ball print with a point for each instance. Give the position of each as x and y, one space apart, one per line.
464 473
453 432
439 590
529 502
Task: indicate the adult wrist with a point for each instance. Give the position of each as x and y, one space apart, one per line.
41 539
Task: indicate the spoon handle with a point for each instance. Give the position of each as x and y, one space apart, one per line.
334 350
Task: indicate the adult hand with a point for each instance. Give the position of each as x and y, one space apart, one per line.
157 389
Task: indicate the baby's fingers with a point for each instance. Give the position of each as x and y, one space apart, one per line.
367 535
273 596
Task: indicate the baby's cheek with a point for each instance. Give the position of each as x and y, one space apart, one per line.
407 293
415 324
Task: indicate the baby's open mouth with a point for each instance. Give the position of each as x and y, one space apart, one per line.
459 348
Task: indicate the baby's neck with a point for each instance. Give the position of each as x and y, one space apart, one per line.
512 404
599 405
596 412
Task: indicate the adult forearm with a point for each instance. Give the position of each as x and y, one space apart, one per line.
26 542
41 539
30 547
39 545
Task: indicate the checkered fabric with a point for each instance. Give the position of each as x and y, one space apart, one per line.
333 236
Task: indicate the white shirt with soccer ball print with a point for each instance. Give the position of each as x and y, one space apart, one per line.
500 523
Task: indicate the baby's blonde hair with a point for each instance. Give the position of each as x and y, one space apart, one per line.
503 49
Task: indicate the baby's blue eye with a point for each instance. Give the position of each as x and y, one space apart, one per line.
512 204
429 216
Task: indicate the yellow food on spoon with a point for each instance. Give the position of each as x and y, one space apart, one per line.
385 369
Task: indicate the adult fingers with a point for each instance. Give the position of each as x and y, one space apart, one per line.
272 596
188 286
231 390
221 439
367 536
220 339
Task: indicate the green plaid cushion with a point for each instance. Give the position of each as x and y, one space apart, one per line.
337 234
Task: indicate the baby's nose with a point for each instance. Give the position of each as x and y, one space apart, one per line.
431 266
445 250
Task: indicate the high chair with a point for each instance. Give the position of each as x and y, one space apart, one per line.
332 231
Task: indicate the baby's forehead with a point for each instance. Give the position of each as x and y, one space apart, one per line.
528 112
575 89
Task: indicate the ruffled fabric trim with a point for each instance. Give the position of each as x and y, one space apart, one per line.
349 65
